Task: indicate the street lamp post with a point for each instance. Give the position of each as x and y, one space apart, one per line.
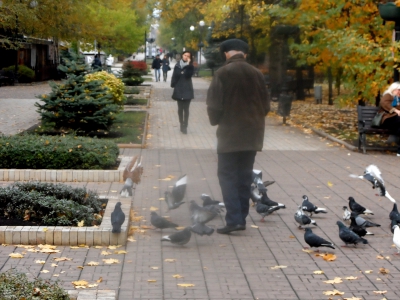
200 44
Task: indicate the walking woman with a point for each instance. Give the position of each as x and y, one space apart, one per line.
181 81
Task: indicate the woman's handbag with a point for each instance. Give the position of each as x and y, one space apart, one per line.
377 120
169 68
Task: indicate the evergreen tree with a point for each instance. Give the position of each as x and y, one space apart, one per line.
76 104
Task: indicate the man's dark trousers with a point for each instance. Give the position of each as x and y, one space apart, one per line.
235 177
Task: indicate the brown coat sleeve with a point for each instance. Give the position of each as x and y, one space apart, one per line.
215 101
386 106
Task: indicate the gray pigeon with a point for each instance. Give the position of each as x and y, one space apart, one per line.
359 209
346 214
373 175
362 222
303 219
203 214
207 200
174 198
348 236
127 188
160 222
180 238
310 208
202 229
265 210
360 231
314 240
117 218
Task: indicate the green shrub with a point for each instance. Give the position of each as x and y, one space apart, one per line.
56 152
115 86
131 75
131 90
48 204
134 101
25 74
17 286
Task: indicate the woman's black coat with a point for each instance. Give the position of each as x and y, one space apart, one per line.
181 81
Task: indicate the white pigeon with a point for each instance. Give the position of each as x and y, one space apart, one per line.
346 214
373 175
396 237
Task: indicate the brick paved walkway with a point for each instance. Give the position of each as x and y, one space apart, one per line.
239 266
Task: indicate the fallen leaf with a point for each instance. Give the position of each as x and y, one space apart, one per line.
153 208
63 258
380 292
185 284
44 271
254 226
368 271
336 280
105 253
80 224
291 236
154 268
161 199
131 239
56 275
40 262
383 271
307 250
111 261
278 267
352 298
319 272
170 260
112 247
80 284
351 278
380 257
16 255
180 228
45 229
120 252
330 184
146 227
80 267
222 245
333 293
378 279
74 247
151 280
54 265
93 263
177 276
92 285
99 280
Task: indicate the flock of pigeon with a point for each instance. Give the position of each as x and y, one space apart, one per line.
201 215
354 234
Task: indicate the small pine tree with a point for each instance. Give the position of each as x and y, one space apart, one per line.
77 104
131 76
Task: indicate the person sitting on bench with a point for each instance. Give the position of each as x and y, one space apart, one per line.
390 104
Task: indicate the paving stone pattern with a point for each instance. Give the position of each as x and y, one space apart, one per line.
239 266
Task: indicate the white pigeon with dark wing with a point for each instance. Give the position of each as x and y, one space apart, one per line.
127 188
174 198
310 208
303 219
207 200
314 240
117 218
396 237
180 238
346 214
374 176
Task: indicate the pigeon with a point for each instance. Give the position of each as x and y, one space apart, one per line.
202 229
303 219
257 180
265 210
373 175
117 218
396 238
207 200
174 198
180 238
360 231
348 236
127 188
359 209
314 240
394 214
362 222
310 208
160 222
133 170
346 214
203 214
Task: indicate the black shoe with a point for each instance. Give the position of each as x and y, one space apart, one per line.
184 130
228 229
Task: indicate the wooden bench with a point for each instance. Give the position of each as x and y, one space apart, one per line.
365 115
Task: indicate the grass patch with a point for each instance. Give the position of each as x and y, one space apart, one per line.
205 73
132 101
128 128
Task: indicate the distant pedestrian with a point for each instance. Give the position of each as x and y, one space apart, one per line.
237 102
165 67
183 93
96 65
156 65
109 62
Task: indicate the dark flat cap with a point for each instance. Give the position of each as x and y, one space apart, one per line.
234 44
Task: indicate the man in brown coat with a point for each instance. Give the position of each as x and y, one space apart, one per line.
237 102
